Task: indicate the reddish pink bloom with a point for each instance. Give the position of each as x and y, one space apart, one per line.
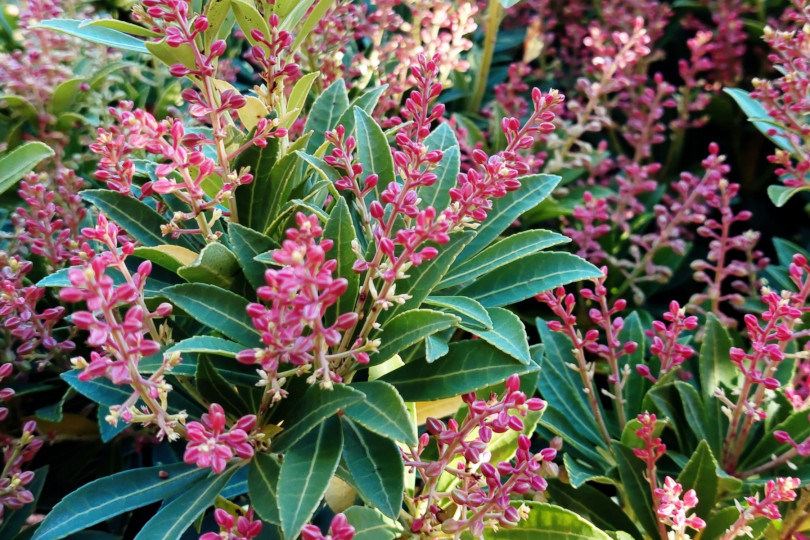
241 528
339 529
211 445
672 506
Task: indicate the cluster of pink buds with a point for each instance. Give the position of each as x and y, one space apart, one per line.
339 529
211 445
673 505
509 94
292 327
728 38
769 341
589 215
270 53
653 448
695 93
665 338
120 340
240 528
776 491
23 324
481 489
17 452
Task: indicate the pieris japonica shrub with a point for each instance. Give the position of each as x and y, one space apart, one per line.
326 269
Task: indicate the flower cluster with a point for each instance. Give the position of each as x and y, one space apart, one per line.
480 489
292 327
240 528
776 491
211 445
665 342
17 452
672 508
339 529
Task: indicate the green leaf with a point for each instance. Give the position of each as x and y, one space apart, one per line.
548 522
217 12
796 424
121 26
508 334
437 194
505 210
435 348
263 486
216 389
410 328
474 317
308 25
758 115
216 265
505 251
132 215
298 96
310 410
101 391
780 195
251 199
216 308
373 152
700 474
468 366
423 279
275 190
568 413
509 3
636 385
21 161
369 524
106 497
247 244
248 18
173 519
637 490
168 256
589 502
340 229
95 34
526 277
21 106
326 110
722 520
309 466
693 409
366 101
376 467
579 472
383 411
64 95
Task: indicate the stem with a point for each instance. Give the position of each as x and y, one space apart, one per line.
491 36
784 458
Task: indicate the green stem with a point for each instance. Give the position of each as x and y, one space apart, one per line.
491 36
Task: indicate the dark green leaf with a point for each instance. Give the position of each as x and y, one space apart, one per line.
101 391
13 520
435 347
135 217
373 152
383 411
376 467
636 385
216 308
474 317
529 276
340 230
591 503
700 474
263 486
508 334
247 244
780 195
251 199
177 516
214 388
410 328
637 489
326 110
722 520
437 194
758 115
113 495
309 466
468 366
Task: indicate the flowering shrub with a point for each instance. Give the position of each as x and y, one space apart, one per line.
288 269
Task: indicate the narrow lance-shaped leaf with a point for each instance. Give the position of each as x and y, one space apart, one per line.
474 316
263 486
508 334
383 411
637 490
340 229
410 328
548 522
325 112
373 152
20 161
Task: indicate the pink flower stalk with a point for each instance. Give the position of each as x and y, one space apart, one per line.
482 491
776 491
17 452
292 327
769 341
665 339
672 506
241 528
27 331
342 24
652 451
270 54
211 445
339 529
121 340
589 215
729 37
604 317
509 94
695 92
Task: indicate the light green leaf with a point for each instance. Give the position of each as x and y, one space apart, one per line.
311 409
548 522
435 348
113 495
505 210
207 345
219 23
216 265
248 18
474 317
410 328
263 486
64 95
383 411
468 366
168 256
298 96
312 19
501 253
780 195
376 467
529 276
132 215
216 308
309 466
326 110
758 115
173 519
591 503
369 524
121 26
95 34
21 161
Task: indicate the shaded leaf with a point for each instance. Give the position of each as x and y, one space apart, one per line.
383 411
21 161
263 486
